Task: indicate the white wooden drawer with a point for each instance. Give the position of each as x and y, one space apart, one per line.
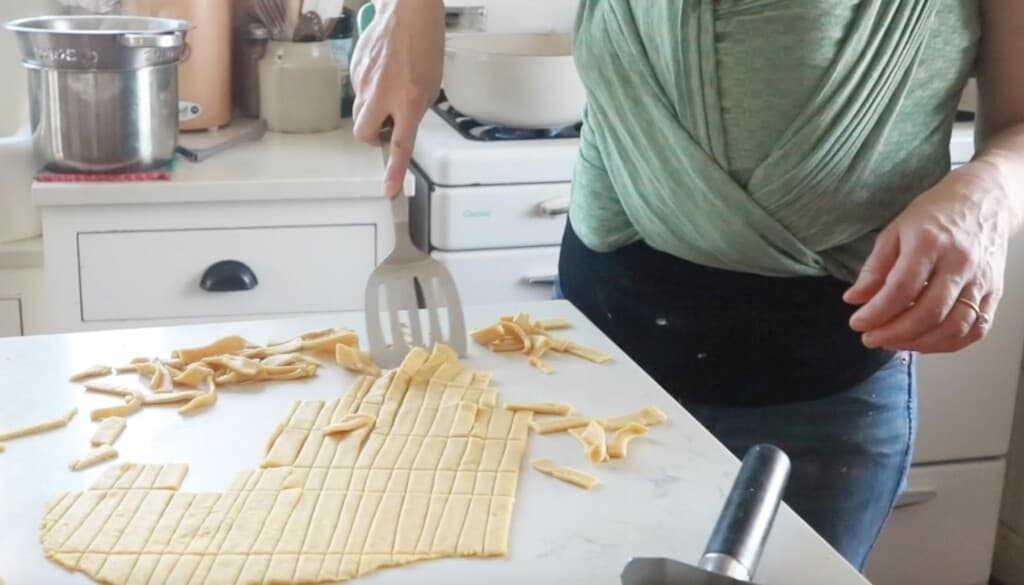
944 532
148 275
497 276
10 318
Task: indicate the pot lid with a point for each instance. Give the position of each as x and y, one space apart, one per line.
97 25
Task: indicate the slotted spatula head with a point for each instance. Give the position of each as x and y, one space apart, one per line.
393 293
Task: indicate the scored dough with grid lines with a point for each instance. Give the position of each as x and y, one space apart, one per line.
435 476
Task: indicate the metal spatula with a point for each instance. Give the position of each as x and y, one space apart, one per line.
404 273
738 538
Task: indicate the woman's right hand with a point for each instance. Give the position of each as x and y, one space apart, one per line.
396 74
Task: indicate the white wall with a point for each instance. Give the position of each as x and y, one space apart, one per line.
13 98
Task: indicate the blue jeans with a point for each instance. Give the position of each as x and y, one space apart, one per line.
851 451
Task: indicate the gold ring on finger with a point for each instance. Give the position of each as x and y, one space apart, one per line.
973 306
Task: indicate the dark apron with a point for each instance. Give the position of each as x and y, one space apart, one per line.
719 337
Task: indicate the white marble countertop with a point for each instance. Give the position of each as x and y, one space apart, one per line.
21 254
660 501
327 165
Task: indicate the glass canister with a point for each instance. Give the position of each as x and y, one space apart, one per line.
300 87
249 49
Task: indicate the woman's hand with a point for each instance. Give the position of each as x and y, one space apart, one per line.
396 74
935 276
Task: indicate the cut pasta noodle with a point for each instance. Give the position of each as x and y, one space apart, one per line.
559 408
560 425
594 441
108 431
42 427
223 345
203 401
133 404
566 474
620 440
93 372
172 398
648 416
94 457
349 423
533 338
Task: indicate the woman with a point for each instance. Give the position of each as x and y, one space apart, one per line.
762 214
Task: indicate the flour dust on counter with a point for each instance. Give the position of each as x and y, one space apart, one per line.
428 468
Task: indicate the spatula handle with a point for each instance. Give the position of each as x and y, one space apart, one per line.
735 546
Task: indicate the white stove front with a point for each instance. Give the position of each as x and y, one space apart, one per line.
448 158
522 15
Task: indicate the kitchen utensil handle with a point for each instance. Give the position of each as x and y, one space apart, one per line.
399 203
258 130
735 546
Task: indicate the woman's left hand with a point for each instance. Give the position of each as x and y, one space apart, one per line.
935 276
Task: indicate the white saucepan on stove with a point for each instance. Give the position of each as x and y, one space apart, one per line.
519 80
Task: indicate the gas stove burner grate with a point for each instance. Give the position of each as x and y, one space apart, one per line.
473 130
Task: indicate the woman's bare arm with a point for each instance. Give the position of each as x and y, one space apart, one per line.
1000 131
396 74
935 277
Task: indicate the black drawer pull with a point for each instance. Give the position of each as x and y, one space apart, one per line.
227 276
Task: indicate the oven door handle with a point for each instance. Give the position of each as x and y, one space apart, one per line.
554 207
540 279
915 497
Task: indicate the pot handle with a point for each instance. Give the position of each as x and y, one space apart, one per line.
735 546
151 41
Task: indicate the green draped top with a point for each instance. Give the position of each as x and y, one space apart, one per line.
774 137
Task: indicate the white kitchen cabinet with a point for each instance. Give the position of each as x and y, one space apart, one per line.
305 213
315 256
21 287
10 317
943 531
295 270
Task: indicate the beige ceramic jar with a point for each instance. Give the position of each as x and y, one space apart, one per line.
300 87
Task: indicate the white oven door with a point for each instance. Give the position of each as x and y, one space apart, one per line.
496 276
500 216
